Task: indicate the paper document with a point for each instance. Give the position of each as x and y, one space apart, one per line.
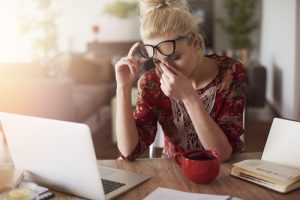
170 194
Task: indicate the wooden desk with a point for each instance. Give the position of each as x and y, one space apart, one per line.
166 173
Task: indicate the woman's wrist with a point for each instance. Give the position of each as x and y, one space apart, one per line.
123 88
190 95
124 93
191 99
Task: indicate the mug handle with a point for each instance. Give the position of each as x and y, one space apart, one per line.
178 157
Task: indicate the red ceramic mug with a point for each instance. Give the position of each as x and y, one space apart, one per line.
200 166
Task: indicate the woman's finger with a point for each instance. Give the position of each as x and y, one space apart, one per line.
132 69
175 71
126 63
166 82
141 61
164 89
165 78
133 49
128 60
167 71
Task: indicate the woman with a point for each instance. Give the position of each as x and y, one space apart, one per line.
198 100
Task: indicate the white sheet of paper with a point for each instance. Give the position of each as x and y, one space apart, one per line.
283 143
170 194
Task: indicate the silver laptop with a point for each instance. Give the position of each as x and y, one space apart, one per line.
60 155
282 145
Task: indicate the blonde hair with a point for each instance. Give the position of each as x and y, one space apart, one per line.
160 17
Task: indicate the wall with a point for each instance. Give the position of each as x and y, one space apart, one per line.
298 60
278 54
75 23
78 17
119 30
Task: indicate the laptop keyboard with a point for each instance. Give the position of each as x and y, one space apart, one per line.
110 186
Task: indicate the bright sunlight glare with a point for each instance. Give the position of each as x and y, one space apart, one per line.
13 48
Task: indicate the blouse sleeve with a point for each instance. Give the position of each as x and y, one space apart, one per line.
230 116
145 119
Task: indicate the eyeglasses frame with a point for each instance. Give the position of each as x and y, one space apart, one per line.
189 35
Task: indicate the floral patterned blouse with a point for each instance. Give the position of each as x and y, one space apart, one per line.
223 98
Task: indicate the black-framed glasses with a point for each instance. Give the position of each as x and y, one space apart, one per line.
166 48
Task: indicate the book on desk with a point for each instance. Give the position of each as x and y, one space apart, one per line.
279 167
278 177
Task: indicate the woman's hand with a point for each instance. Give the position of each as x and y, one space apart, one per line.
175 84
127 68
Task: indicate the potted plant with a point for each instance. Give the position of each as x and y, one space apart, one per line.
240 24
120 8
120 15
44 29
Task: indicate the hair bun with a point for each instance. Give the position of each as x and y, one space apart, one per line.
163 3
147 6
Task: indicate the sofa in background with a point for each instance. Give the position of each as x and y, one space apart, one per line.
257 85
81 93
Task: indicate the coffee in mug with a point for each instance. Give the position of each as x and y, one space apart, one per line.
199 166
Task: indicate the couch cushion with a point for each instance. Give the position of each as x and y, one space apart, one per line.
256 88
38 97
88 98
90 71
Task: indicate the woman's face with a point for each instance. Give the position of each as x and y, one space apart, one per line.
175 51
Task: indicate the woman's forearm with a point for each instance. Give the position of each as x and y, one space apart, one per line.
127 135
209 133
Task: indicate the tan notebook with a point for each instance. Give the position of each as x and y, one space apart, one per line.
10 178
278 177
279 167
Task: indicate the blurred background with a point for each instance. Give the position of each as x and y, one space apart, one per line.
57 57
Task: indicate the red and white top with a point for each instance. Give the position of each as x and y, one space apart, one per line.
223 98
